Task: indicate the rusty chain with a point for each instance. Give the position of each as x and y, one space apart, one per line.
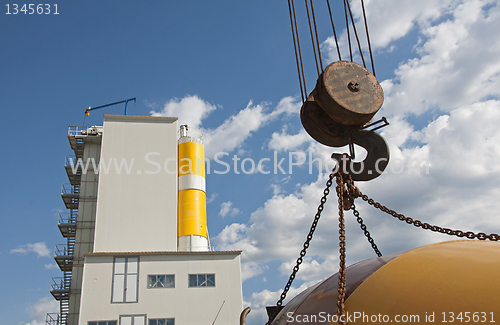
347 192
305 246
365 230
341 193
426 226
354 192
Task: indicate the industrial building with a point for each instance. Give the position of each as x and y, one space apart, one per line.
138 250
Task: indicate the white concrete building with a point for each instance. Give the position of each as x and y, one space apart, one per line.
133 257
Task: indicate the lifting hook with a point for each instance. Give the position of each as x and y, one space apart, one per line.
340 109
376 159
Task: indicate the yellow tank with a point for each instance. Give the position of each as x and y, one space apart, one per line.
192 214
448 282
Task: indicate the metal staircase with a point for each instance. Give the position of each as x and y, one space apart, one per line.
64 254
73 169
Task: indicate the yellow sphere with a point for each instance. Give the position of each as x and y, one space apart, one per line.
448 282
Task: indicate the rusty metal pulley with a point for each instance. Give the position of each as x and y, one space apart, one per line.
320 126
349 93
345 99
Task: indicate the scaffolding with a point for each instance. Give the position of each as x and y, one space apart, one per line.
67 224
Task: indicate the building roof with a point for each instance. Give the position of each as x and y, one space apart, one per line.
164 253
142 118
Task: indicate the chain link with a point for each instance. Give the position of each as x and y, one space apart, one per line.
354 193
365 230
341 191
347 192
425 225
305 246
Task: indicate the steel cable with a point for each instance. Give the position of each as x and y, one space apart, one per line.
333 27
298 46
317 38
296 54
368 36
312 37
355 33
347 28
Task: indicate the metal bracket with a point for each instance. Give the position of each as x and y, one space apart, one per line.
383 120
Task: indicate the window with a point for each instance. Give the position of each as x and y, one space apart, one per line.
108 322
202 280
125 279
133 320
162 321
161 281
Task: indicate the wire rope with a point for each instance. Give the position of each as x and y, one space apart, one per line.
313 29
312 38
334 32
296 54
317 38
368 36
356 33
298 46
347 28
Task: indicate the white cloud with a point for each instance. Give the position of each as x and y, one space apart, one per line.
237 128
276 189
277 186
51 266
39 309
34 322
259 300
251 269
311 269
233 132
212 198
390 20
287 105
39 248
292 215
190 110
459 64
231 233
226 208
285 142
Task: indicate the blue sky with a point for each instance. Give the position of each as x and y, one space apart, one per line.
228 67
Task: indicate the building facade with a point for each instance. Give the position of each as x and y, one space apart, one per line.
137 248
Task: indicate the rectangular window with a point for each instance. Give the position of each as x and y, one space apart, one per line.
125 279
161 281
162 321
107 322
133 320
202 280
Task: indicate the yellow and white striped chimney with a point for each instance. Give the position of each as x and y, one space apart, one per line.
192 234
